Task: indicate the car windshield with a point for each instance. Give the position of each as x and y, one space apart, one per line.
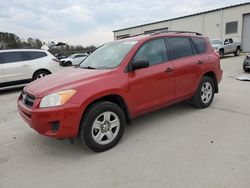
216 42
108 56
71 56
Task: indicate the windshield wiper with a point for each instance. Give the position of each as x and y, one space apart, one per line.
88 67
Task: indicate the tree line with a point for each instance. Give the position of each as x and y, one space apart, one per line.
12 41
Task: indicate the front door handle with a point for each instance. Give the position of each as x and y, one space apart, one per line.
200 62
169 69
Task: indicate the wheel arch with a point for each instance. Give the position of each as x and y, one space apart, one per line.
39 71
114 98
212 75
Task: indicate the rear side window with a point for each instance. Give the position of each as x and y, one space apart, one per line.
154 51
200 44
11 57
30 55
180 47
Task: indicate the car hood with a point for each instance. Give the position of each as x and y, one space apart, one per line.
67 79
216 45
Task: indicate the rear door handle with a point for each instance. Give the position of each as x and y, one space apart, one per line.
200 62
169 69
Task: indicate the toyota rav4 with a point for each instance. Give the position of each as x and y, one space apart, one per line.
119 81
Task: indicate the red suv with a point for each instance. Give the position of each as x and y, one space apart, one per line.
119 81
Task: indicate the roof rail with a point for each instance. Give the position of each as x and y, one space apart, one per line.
176 32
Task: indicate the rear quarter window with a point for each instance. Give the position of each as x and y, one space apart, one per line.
200 44
31 55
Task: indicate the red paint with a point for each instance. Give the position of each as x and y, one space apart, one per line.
143 90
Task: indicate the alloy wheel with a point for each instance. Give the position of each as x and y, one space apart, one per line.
105 128
206 92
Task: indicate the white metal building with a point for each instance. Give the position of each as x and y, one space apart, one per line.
231 21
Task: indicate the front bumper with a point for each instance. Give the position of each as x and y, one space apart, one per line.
66 118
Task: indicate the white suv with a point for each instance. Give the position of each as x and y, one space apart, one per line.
23 65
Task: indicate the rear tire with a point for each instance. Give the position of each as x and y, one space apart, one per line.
204 94
102 126
40 74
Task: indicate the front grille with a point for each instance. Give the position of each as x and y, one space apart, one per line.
28 99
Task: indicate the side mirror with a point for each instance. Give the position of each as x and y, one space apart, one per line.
226 43
139 63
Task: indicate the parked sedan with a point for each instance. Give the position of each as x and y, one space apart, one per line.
74 59
246 64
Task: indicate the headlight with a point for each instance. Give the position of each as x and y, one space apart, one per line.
56 99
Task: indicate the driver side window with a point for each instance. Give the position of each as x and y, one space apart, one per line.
154 51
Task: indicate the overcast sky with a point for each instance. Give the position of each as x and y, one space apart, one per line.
88 22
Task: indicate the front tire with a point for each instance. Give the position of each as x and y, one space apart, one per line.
237 52
102 126
205 93
68 64
221 52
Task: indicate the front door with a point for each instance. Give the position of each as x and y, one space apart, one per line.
154 86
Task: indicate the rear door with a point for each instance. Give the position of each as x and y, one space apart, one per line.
232 45
185 60
154 86
15 67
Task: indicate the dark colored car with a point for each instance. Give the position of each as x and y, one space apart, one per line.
246 64
118 82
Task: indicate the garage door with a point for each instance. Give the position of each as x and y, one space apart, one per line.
246 33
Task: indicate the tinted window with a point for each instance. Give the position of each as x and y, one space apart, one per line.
180 47
9 57
30 55
1 58
230 40
155 52
200 44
